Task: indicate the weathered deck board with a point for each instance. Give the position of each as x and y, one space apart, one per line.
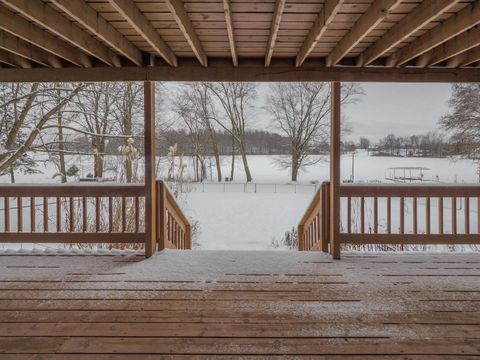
252 304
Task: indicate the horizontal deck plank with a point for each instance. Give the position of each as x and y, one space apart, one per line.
220 305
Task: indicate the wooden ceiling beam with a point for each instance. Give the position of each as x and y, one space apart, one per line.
25 30
181 17
144 28
227 8
95 23
43 15
12 59
418 18
280 70
453 47
325 17
277 18
465 19
21 48
364 25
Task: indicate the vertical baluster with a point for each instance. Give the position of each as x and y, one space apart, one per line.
72 214
137 214
124 214
85 213
402 215
110 214
375 215
362 215
178 235
389 215
33 224
59 214
414 214
19 214
349 215
478 215
45 214
97 214
427 215
467 215
440 215
454 215
6 205
170 228
318 233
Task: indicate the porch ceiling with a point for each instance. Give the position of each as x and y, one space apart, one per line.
274 40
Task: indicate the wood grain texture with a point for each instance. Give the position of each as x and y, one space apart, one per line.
240 305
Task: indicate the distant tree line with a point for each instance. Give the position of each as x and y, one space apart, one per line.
432 144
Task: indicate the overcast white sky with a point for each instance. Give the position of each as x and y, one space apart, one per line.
398 108
401 109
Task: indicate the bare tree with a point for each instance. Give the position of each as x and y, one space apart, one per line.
195 107
463 121
128 112
301 112
25 112
236 100
94 108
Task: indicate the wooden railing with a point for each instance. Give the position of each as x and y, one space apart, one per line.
80 213
313 229
176 232
410 214
394 214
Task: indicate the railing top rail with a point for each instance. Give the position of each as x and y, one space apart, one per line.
409 190
77 189
170 199
314 203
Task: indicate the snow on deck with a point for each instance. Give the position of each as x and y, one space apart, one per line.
115 304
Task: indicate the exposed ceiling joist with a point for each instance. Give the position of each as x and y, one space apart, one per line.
454 47
325 17
10 59
366 23
181 17
227 8
90 19
144 28
467 58
43 15
453 26
418 18
277 17
21 48
25 30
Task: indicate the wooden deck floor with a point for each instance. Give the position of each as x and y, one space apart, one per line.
254 304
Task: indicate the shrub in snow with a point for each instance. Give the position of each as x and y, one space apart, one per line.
289 240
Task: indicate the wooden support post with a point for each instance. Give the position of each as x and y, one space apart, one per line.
150 193
335 169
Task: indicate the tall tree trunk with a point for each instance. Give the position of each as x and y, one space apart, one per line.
245 163
61 149
295 166
232 169
128 169
12 175
99 164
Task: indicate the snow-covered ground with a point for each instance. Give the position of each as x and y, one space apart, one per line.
265 168
235 216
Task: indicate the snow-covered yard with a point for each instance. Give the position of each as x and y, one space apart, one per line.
238 216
